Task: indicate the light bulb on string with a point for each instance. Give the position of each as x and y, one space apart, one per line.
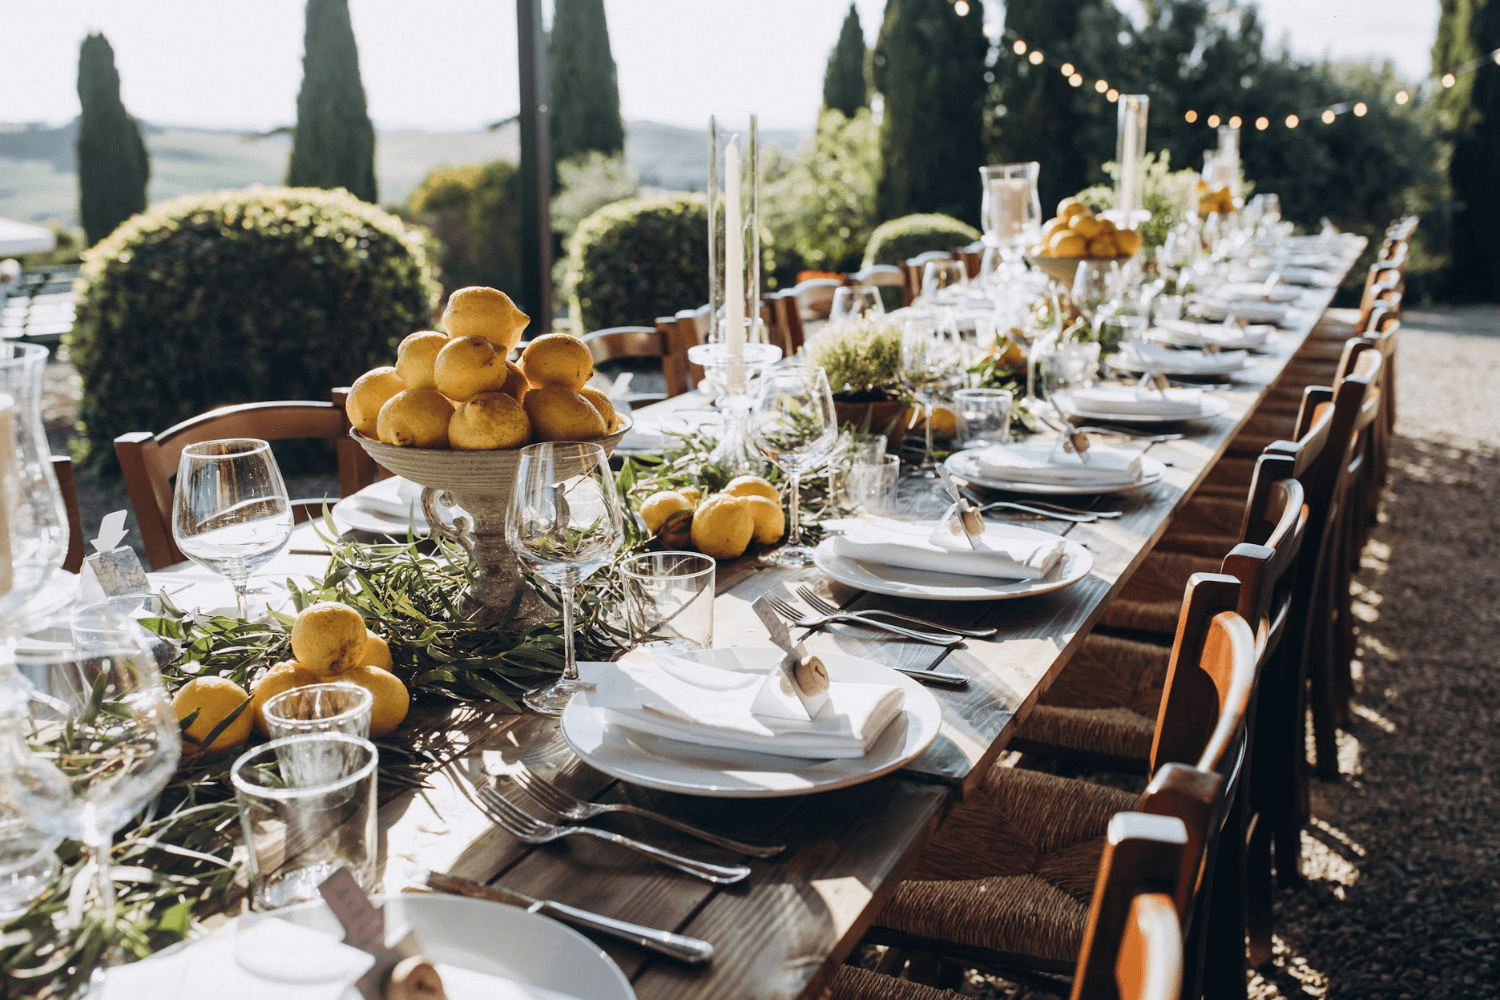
1292 121
1191 117
1113 95
1100 86
1213 121
1035 58
1361 109
1235 121
1262 123
1402 97
1019 47
961 8
1495 55
1066 69
1076 80
1449 79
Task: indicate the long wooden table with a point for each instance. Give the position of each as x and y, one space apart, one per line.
782 932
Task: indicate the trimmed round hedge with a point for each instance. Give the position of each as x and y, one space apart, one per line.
902 239
241 296
633 261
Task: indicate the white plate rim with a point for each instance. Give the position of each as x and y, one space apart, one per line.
1078 562
1152 472
578 722
353 513
485 911
1120 363
1210 406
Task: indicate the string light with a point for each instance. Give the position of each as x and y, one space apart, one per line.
1191 117
1213 121
1402 97
1067 69
1100 86
1292 121
1328 117
1076 80
1035 58
1361 109
1235 121
961 8
1449 79
1019 48
1112 96
1262 123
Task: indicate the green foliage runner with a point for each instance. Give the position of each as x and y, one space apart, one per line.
334 146
112 163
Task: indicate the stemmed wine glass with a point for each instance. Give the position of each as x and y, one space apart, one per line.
853 302
943 281
793 424
564 525
100 712
1094 289
932 359
230 511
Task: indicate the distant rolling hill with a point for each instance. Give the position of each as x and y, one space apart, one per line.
37 167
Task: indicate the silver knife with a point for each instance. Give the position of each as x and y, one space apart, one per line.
781 636
693 951
969 518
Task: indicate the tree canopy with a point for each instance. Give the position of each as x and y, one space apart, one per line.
585 101
1470 111
112 163
845 89
334 146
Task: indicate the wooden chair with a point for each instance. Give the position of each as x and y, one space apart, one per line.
784 321
149 461
684 329
911 272
617 342
67 483
886 277
1004 883
1133 948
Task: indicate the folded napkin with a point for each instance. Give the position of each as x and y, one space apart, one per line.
908 545
1149 357
1045 464
1192 334
1245 309
1132 401
401 500
681 699
1254 291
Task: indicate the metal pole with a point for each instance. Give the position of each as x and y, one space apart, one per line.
536 168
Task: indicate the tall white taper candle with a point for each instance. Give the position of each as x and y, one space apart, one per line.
734 255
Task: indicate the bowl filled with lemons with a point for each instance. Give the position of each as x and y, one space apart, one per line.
453 413
1076 234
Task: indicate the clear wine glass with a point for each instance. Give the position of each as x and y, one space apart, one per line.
564 525
855 302
230 511
100 712
1094 288
943 281
932 359
794 425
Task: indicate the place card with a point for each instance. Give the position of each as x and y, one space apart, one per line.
113 570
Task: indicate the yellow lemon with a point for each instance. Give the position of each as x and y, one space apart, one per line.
489 420
1068 208
390 699
478 311
415 418
467 366
1103 247
723 526
1068 244
944 421
557 359
283 676
1053 225
1107 227
659 506
214 699
368 394
603 404
770 520
515 384
329 637
676 531
751 486
1128 241
416 356
559 414
377 652
693 493
1086 225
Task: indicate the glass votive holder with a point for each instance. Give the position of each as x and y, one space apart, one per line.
867 485
338 707
28 863
1070 366
669 600
298 835
1166 308
983 416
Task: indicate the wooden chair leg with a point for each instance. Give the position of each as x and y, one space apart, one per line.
1224 974
1325 729
1259 894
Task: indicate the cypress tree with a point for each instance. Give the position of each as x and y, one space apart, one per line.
335 143
844 86
929 66
112 163
1470 110
585 103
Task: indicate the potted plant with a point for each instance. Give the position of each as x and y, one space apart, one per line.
863 361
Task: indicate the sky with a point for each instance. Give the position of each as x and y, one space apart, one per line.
451 64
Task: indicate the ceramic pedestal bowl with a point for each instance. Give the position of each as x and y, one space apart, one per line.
1063 269
481 482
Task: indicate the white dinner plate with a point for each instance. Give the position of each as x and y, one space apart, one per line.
963 465
1248 310
1209 406
1255 292
1187 333
690 769
1223 363
493 939
897 581
388 507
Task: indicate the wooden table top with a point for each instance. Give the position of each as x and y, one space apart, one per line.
781 932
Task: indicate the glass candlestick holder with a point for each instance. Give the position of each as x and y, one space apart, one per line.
730 381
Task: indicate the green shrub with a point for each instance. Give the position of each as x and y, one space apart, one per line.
475 216
904 238
863 359
633 261
239 296
820 209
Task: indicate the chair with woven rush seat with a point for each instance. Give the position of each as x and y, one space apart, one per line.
1007 880
1132 947
617 342
148 461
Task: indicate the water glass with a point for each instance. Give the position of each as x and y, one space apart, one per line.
338 707
230 511
983 416
1070 366
669 599
855 302
298 835
867 485
943 280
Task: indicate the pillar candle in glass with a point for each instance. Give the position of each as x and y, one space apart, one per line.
734 234
1130 151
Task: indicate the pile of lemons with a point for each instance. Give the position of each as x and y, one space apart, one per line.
329 643
1077 233
460 390
723 525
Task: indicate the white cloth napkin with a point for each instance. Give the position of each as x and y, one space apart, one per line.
1042 463
1150 357
654 692
908 545
1191 334
1245 309
400 500
1130 401
1254 291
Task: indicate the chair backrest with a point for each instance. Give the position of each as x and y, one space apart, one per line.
911 272
784 321
687 328
814 297
67 483
618 342
149 461
878 275
1132 944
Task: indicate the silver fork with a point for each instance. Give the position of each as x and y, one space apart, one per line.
801 620
570 807
1043 509
818 604
528 828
